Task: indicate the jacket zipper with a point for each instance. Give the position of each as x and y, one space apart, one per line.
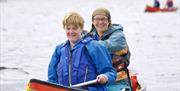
70 62
86 73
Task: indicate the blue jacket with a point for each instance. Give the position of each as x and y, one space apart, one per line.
85 52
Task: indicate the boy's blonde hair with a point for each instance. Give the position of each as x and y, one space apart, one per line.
73 18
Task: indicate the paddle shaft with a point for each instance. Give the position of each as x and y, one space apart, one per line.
85 83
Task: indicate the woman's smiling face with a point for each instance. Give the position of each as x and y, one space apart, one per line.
101 23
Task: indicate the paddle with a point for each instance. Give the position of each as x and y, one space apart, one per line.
85 83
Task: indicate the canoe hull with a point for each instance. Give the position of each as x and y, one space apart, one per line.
39 85
153 9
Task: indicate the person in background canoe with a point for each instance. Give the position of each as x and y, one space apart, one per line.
78 59
169 4
156 4
112 37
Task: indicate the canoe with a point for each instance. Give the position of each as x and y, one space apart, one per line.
39 85
169 9
154 9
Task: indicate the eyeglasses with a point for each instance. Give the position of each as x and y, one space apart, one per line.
100 19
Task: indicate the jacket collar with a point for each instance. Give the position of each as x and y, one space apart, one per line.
111 29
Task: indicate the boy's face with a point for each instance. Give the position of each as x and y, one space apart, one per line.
73 33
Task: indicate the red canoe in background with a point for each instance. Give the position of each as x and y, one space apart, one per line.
154 9
169 9
151 9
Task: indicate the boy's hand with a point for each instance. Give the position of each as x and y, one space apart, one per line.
102 78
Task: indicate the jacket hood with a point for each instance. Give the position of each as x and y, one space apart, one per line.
113 28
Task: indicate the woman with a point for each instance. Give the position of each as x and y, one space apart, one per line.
112 37
80 59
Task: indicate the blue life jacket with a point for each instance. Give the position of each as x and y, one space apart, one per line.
75 65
